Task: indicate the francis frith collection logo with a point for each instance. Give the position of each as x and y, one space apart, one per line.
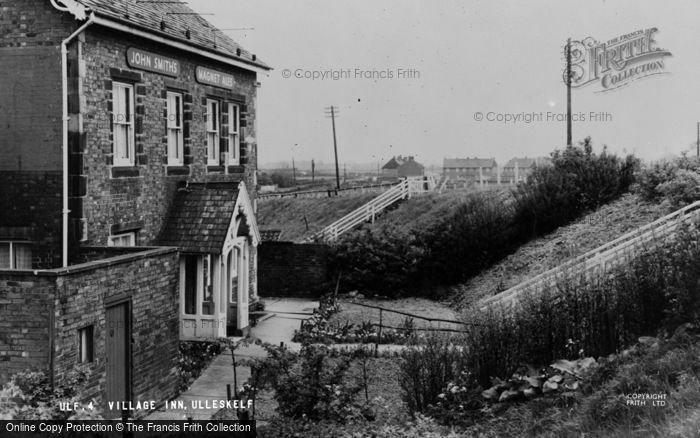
617 62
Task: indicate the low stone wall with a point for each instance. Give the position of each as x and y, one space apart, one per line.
42 311
287 269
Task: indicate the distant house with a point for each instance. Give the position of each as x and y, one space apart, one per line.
399 167
471 169
517 169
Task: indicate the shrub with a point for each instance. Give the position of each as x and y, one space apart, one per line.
311 384
194 356
477 234
427 368
30 396
378 261
577 181
676 180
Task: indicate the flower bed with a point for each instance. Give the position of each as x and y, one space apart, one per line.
318 329
193 358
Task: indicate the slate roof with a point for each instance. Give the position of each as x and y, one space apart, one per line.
524 163
450 163
394 163
199 218
411 167
178 18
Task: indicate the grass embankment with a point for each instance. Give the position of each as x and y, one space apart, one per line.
589 232
424 255
423 211
291 215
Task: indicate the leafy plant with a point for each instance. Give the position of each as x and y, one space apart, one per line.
309 385
29 395
674 180
426 369
194 356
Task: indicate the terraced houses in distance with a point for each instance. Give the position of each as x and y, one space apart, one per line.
486 171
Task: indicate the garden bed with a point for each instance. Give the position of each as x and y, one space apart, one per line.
384 393
358 321
194 357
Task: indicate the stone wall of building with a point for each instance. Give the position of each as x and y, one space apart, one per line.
138 197
287 269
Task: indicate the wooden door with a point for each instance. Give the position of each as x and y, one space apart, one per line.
117 353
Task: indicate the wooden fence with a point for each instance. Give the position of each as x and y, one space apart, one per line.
599 260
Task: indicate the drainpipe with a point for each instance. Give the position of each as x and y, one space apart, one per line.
64 85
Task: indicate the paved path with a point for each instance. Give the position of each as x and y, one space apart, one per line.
284 316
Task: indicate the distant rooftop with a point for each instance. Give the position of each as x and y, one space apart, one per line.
451 163
526 162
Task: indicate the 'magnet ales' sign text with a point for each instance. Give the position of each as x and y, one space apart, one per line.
215 78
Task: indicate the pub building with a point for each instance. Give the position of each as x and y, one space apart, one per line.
127 190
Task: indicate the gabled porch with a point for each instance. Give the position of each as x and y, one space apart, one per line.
214 227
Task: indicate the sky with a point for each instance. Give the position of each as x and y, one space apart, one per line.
411 76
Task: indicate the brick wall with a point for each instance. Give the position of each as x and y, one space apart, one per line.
31 32
292 269
79 296
25 312
31 200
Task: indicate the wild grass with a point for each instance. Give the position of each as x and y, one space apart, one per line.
595 317
292 215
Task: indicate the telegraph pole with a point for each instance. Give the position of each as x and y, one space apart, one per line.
698 143
333 112
568 92
313 169
294 169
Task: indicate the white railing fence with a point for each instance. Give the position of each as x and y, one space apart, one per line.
601 259
369 211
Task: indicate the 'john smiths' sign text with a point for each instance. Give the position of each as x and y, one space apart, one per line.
208 76
151 62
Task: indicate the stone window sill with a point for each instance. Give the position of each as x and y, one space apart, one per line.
178 170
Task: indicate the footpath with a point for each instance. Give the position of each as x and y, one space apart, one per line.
284 316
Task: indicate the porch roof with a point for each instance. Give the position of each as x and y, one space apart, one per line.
200 217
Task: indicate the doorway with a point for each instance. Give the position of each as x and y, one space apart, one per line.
117 355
